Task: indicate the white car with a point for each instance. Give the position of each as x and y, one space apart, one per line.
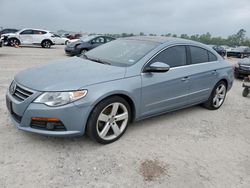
60 40
30 36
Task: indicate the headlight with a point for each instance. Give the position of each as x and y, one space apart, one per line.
78 46
60 98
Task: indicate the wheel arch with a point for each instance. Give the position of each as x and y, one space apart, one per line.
47 40
224 80
123 95
14 38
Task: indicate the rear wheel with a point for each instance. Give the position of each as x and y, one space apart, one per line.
46 44
217 96
109 120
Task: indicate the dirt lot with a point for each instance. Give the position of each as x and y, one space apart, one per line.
192 148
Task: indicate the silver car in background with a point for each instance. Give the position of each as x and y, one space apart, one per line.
119 82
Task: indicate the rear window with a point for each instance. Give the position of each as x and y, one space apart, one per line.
198 55
212 57
37 32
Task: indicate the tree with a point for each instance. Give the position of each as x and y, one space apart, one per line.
184 36
142 34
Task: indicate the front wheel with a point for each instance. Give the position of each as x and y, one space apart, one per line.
245 92
217 96
82 52
13 42
109 120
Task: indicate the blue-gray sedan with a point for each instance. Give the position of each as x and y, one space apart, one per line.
119 82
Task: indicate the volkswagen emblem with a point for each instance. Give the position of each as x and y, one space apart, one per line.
12 88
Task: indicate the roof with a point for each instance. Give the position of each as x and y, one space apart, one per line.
158 39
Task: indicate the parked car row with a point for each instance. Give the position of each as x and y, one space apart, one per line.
85 44
31 36
240 52
242 68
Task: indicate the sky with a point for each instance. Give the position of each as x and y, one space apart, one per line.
219 17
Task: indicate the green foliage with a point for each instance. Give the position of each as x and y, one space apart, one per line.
238 39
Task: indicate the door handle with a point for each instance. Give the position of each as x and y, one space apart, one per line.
185 78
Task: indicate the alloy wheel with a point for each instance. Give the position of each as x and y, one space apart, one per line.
14 42
46 44
112 121
219 96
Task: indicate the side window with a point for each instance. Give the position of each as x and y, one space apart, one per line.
198 55
27 32
173 56
109 39
37 32
212 57
98 40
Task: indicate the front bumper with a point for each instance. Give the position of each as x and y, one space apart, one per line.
72 51
73 117
242 71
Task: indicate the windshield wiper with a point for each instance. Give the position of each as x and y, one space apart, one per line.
97 60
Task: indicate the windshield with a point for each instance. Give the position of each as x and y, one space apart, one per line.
122 52
87 38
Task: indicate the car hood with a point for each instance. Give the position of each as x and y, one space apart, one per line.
73 44
245 61
70 74
8 34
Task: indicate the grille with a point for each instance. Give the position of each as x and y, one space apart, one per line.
20 93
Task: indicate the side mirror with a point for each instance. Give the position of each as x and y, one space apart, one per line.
157 67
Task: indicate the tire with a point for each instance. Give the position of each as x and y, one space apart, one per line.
82 52
109 120
236 75
14 42
217 96
46 44
245 92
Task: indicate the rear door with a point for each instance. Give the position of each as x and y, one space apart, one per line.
203 73
38 36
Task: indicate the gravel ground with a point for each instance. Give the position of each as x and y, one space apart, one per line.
192 148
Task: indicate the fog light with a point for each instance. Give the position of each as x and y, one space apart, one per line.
50 125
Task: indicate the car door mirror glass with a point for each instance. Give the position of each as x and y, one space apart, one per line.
157 67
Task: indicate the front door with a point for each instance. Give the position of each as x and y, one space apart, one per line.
97 42
26 36
166 91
